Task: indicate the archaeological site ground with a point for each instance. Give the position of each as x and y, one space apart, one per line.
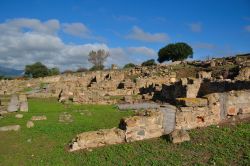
181 113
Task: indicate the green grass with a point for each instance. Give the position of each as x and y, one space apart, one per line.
48 140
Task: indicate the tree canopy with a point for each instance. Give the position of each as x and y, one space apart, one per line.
129 65
149 62
97 58
175 52
40 70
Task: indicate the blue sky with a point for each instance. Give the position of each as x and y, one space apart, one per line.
61 33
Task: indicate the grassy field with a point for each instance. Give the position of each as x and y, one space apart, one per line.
45 143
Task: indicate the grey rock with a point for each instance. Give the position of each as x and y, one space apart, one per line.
13 104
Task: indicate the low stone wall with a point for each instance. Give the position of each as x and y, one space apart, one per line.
220 106
191 113
146 124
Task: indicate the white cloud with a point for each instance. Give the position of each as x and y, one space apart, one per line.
80 30
247 28
142 50
26 25
19 47
138 34
195 27
76 29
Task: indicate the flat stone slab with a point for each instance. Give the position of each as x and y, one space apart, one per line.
178 136
192 102
137 106
34 118
10 128
13 104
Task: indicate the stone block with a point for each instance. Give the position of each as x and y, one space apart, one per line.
13 104
98 138
204 74
178 136
192 102
146 124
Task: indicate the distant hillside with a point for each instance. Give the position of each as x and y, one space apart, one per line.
10 72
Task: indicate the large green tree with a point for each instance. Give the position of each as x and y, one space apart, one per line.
175 52
36 70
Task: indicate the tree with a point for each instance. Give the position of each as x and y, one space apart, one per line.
54 71
175 52
94 68
149 62
81 69
129 65
97 58
36 70
67 72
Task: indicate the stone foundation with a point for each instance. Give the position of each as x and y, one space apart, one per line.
164 119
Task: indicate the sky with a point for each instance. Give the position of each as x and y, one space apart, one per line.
61 33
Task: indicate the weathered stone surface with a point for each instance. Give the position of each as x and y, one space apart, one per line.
244 74
169 114
178 136
2 112
192 117
30 124
34 118
99 138
22 98
19 116
14 104
147 124
138 106
24 107
204 74
10 128
192 102
192 89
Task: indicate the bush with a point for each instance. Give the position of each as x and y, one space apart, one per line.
150 62
129 65
67 72
54 71
175 52
81 69
95 68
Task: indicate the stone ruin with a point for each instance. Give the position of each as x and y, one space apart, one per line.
213 109
172 99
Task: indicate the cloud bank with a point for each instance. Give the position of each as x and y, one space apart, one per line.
24 41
